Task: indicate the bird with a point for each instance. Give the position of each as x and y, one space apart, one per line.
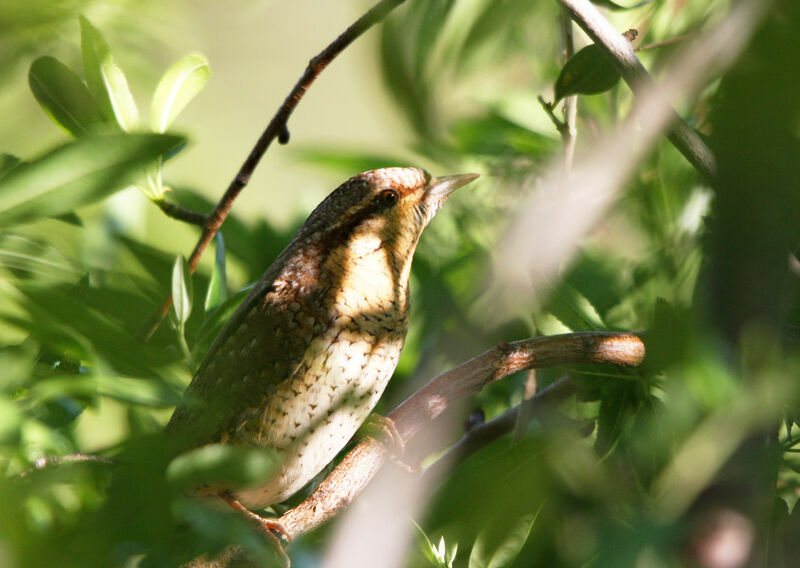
304 359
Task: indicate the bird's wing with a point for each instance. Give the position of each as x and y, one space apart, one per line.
260 346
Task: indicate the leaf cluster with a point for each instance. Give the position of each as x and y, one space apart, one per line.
610 477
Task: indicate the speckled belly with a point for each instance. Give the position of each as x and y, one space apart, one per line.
310 417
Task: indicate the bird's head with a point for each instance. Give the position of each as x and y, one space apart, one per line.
367 230
386 204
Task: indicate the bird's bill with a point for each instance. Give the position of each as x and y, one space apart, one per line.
440 188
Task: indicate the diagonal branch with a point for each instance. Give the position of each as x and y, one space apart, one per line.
418 411
622 54
277 128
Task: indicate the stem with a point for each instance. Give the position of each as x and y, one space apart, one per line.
569 132
622 54
181 213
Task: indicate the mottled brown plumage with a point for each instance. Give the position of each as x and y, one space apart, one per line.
306 356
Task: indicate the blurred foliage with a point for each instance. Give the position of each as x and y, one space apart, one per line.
704 271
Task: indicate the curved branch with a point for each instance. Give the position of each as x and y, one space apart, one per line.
359 466
622 54
277 128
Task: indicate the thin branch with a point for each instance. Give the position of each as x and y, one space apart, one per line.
181 213
560 125
621 52
569 133
52 461
359 466
482 435
277 128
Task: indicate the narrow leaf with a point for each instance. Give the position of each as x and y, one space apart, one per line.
426 546
617 7
588 72
218 286
152 392
181 290
177 87
63 96
76 174
106 80
70 218
487 552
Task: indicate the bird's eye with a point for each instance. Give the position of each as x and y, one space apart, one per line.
388 197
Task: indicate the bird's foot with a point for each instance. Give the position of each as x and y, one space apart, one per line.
275 533
383 429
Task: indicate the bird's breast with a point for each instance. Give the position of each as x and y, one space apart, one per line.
311 416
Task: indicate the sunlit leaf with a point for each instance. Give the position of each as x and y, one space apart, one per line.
177 87
182 291
76 174
106 80
588 72
63 96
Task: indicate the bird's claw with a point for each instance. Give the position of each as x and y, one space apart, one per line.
383 429
273 530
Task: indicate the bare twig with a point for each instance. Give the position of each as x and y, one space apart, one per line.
418 411
52 461
277 128
181 213
622 54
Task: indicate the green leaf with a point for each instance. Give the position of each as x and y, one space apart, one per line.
618 8
92 325
10 420
152 392
76 174
218 285
7 163
106 80
63 96
70 218
439 556
177 87
588 72
345 162
181 290
222 464
488 552
493 135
